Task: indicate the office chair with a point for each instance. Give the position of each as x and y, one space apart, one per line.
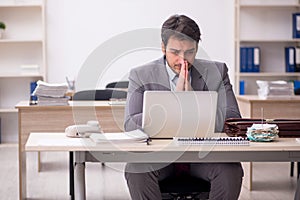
184 188
99 95
118 85
91 95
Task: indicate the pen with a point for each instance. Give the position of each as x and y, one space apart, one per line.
68 82
148 141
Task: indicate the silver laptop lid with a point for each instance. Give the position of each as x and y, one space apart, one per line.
168 114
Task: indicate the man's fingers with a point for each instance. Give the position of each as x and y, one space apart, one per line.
183 82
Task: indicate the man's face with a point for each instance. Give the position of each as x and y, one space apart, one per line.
177 51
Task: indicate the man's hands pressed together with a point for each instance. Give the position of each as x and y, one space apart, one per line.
183 83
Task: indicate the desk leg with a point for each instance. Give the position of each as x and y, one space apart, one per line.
22 174
247 181
79 176
71 174
39 161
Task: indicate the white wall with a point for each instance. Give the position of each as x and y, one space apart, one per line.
75 28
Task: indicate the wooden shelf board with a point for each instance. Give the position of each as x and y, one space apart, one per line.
20 5
20 75
267 40
266 74
269 6
20 40
8 110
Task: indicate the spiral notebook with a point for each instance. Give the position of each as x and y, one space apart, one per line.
212 141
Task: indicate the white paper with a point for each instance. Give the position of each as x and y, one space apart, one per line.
59 142
131 136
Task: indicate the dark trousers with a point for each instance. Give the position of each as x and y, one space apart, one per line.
225 179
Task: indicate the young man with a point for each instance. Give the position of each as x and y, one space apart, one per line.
179 70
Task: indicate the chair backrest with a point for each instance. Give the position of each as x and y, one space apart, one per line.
106 94
118 84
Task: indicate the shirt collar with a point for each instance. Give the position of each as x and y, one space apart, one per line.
170 72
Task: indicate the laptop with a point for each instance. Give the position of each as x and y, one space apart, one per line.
168 114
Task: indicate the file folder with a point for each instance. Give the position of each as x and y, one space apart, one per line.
242 87
297 87
297 59
290 59
256 59
33 85
250 59
296 25
243 59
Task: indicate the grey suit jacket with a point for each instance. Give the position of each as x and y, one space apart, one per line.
205 76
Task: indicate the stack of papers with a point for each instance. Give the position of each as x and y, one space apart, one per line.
131 136
51 94
262 132
275 89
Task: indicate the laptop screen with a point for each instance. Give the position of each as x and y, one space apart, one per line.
168 114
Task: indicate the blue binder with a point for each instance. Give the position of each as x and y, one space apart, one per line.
297 87
290 59
296 25
243 59
256 59
242 87
33 98
250 59
253 59
297 59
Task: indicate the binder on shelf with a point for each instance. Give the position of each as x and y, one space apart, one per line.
297 87
290 59
33 85
256 59
296 25
250 59
243 59
242 87
297 59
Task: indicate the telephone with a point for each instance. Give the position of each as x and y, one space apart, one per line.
83 130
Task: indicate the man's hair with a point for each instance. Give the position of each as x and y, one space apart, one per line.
181 27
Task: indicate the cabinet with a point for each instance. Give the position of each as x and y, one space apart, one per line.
266 24
22 57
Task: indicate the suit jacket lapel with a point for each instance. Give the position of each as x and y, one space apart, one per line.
160 75
199 74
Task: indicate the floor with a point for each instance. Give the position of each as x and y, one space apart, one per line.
271 180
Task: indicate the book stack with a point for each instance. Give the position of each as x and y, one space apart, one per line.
249 59
51 94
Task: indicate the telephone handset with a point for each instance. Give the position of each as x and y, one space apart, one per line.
83 130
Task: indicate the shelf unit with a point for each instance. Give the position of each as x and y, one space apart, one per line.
22 45
266 24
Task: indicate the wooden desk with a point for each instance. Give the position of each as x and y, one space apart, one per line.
251 107
160 151
57 118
